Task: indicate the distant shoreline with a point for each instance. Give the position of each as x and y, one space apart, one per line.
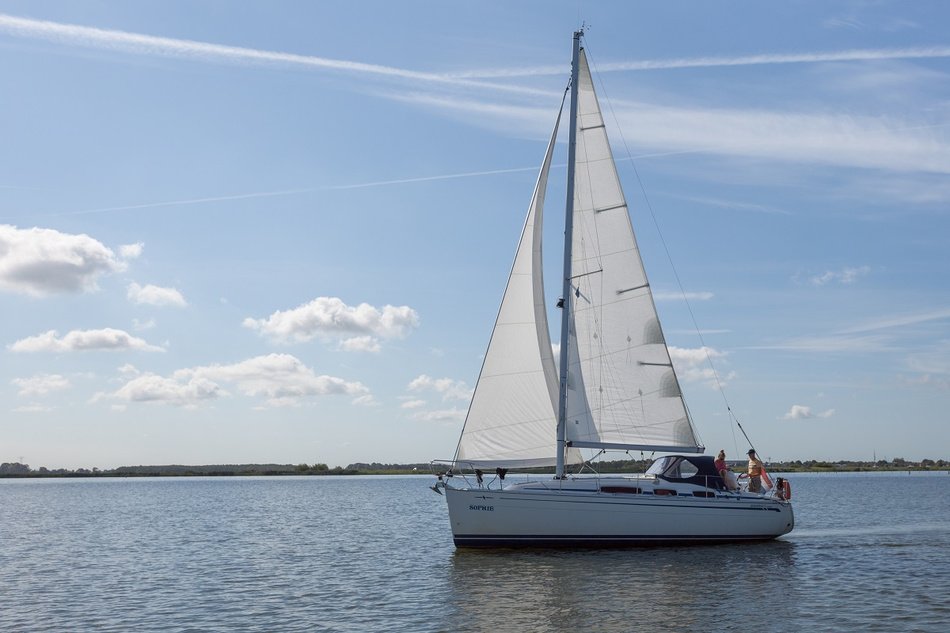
22 471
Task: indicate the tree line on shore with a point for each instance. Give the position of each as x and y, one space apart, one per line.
376 468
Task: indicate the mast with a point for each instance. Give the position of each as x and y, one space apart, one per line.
566 299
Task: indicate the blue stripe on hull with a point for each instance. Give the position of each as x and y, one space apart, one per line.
501 540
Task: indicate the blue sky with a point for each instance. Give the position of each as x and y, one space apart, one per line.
279 232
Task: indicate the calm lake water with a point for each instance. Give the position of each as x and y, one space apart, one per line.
870 552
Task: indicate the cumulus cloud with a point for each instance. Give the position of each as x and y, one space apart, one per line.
155 295
106 339
143 325
41 384
799 412
41 262
360 344
693 365
128 369
449 389
281 379
329 317
131 251
177 390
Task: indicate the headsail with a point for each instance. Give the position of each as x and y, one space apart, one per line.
631 397
511 420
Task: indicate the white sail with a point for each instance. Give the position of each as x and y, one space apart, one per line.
512 418
631 395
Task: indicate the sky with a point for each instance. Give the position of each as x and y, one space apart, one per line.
256 232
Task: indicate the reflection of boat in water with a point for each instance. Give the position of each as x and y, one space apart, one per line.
659 589
614 389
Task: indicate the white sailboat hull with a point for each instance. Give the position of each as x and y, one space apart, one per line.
579 513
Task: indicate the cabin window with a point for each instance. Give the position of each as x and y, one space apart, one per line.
687 469
673 468
621 490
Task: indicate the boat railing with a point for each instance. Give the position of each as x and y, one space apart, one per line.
446 470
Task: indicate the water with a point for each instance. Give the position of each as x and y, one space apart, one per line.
869 553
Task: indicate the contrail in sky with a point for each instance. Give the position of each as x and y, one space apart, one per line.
184 49
289 192
150 45
718 62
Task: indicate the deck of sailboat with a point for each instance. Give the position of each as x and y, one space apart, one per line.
625 487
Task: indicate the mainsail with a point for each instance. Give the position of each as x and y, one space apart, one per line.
630 396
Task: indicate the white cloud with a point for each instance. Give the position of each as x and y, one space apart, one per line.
933 359
360 344
329 317
694 365
129 369
41 262
143 325
131 251
842 343
107 339
843 276
443 415
33 408
176 390
679 296
40 384
448 388
279 378
413 404
939 383
901 320
825 139
800 412
155 295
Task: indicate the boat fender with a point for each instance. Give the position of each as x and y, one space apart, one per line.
783 488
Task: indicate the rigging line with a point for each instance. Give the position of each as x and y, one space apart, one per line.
656 224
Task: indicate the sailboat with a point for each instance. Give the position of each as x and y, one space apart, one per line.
613 387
